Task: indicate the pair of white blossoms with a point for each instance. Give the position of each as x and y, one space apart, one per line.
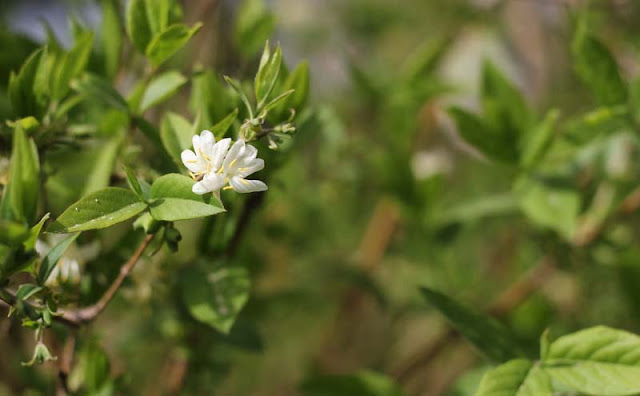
215 166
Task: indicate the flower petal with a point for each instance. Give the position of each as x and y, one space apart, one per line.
192 162
246 186
250 153
200 188
234 154
206 140
213 181
218 153
250 167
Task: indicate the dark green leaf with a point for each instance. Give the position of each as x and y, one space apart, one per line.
71 65
26 291
485 333
22 88
363 383
298 80
13 233
176 134
100 209
96 88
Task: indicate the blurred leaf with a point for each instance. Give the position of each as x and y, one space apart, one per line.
489 336
176 135
482 137
169 41
157 15
20 197
548 206
597 69
254 25
221 127
601 121
133 182
91 372
71 65
40 355
172 200
95 88
22 87
422 62
100 209
13 233
99 176
518 377
111 36
536 144
235 85
596 361
478 209
161 88
267 74
50 260
27 290
217 297
505 110
138 26
298 80
365 382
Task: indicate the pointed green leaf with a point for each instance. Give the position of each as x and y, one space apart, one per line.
111 36
221 127
217 297
172 200
161 88
50 260
100 209
133 182
169 41
23 93
138 26
298 80
596 361
13 233
20 197
518 377
538 141
34 233
489 336
71 65
157 15
267 75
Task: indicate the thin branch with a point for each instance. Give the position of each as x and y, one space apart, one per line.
66 361
87 314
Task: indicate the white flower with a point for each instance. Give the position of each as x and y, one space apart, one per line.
65 272
215 166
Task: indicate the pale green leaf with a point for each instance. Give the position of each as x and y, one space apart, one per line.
518 377
176 134
169 41
138 24
161 88
172 200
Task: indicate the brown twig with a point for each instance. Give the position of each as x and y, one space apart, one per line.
87 314
66 361
506 302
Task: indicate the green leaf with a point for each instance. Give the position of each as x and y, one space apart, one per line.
34 233
50 260
537 142
552 207
253 26
100 209
96 88
23 90
363 383
482 137
91 372
176 134
13 233
161 88
71 65
168 42
478 209
40 355
596 361
111 36
27 290
490 337
173 200
221 127
267 74
133 182
157 15
518 377
138 26
235 85
298 80
217 297
505 110
20 197
597 69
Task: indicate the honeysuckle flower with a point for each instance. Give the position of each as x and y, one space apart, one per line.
215 166
66 271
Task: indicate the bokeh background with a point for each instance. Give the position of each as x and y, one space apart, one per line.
362 213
